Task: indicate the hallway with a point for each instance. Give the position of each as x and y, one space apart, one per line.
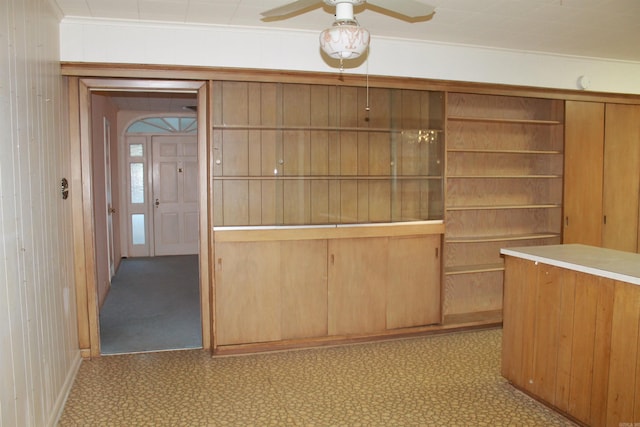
153 305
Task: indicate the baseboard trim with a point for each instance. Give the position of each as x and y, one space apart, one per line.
58 407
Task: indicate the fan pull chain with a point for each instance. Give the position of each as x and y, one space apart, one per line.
367 108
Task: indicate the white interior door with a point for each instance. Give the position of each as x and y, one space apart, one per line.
109 201
175 195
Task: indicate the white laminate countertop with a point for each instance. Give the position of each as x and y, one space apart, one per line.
617 265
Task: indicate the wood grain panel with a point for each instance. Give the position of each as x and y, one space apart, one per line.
319 201
379 154
348 153
624 354
519 295
296 105
248 296
470 192
319 152
380 201
415 108
503 164
271 210
296 153
348 201
348 107
413 289
504 107
358 275
467 293
602 351
296 202
363 202
270 151
504 136
381 109
621 177
254 145
235 202
235 153
502 222
583 171
546 335
321 105
567 309
234 104
580 386
303 272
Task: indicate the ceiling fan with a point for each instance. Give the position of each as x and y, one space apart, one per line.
346 39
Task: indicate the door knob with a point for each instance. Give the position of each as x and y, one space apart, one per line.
157 202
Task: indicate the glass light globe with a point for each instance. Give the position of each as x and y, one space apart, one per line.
344 40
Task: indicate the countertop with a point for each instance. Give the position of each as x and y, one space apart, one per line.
609 263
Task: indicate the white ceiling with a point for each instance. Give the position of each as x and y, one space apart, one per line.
593 28
607 29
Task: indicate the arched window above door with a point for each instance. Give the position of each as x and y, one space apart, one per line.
164 125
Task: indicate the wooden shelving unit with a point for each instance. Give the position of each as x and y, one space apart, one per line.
300 154
327 213
504 164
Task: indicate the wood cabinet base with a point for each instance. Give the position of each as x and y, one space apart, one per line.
571 339
226 350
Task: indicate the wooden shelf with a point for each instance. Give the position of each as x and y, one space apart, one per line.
503 176
479 268
501 238
328 177
500 120
320 128
490 151
492 207
503 180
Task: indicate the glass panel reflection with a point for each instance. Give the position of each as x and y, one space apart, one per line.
137 182
137 229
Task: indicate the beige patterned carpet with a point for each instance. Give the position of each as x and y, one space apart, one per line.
445 380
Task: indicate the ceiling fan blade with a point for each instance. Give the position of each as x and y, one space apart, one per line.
290 8
408 8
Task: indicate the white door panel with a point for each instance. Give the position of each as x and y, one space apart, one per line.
175 195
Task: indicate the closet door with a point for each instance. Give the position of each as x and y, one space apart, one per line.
621 177
583 169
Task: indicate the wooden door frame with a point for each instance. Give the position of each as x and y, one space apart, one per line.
82 198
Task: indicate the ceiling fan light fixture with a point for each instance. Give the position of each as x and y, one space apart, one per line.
345 39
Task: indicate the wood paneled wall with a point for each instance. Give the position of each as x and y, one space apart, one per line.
297 154
38 334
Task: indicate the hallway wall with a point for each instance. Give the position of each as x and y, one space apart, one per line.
39 353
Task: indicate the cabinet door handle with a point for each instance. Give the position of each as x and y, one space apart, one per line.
566 221
332 259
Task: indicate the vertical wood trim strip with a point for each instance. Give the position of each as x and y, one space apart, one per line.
624 347
205 216
89 229
77 214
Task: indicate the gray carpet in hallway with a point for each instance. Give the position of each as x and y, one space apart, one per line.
153 304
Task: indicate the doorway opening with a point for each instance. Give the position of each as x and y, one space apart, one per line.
152 302
143 216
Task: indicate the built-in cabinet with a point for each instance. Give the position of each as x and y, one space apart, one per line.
504 171
300 154
602 169
572 331
276 286
315 168
327 211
